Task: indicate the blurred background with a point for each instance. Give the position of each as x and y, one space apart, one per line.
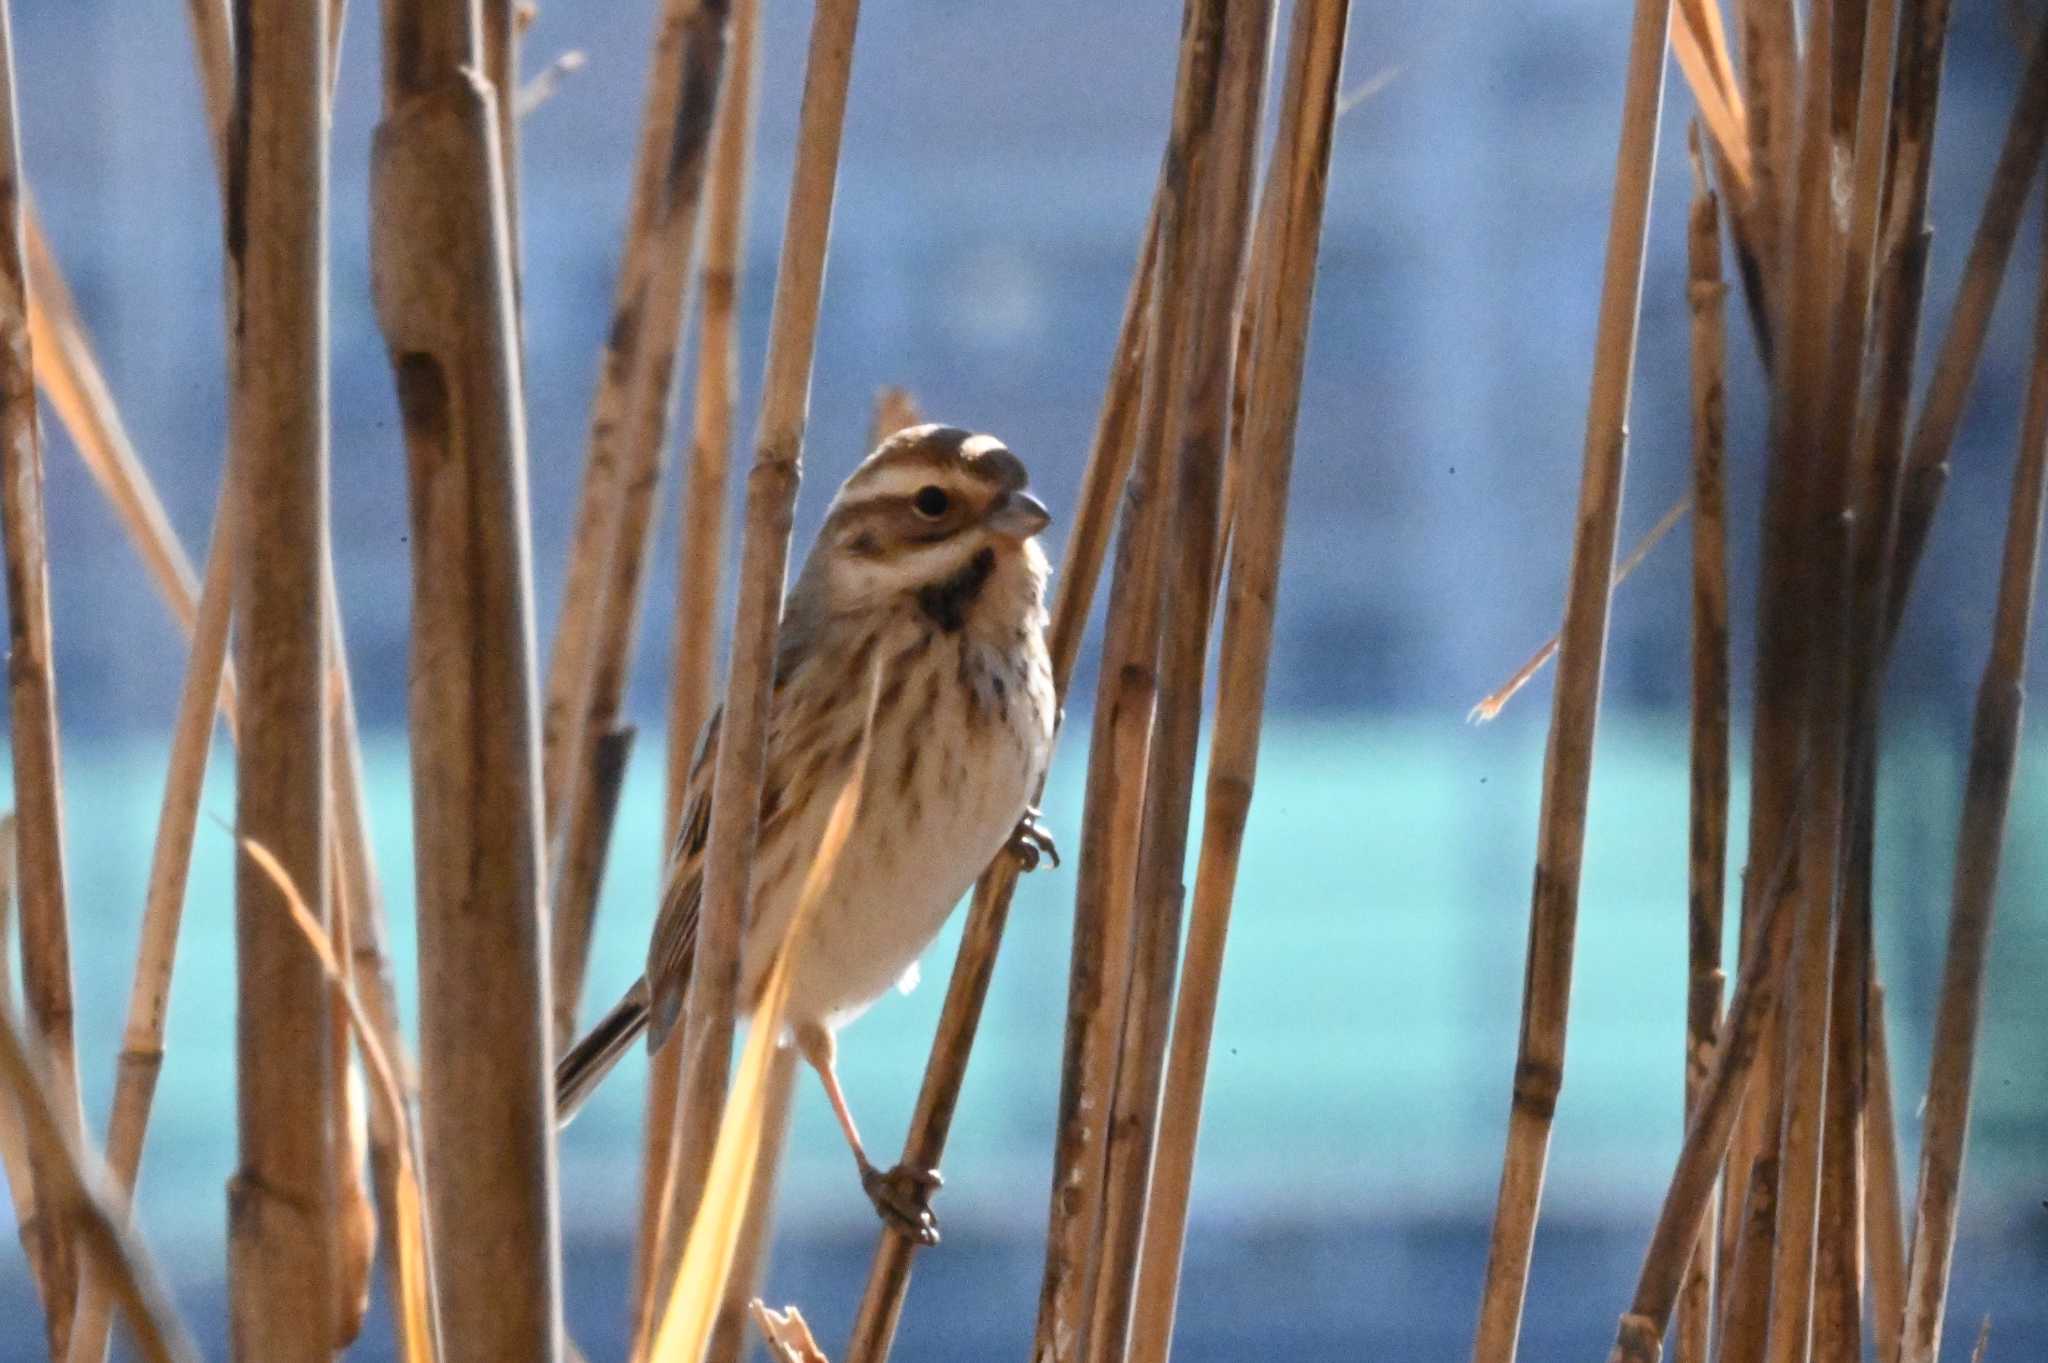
997 167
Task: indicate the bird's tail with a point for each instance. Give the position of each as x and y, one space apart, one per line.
592 1058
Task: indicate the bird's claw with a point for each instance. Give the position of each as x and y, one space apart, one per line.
1032 842
903 1198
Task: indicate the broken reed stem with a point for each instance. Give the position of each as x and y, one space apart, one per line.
71 1189
444 295
700 554
628 444
1128 683
1707 829
142 1037
1987 794
764 562
1568 762
32 696
924 1145
1283 306
1220 191
1883 1225
1962 346
281 1248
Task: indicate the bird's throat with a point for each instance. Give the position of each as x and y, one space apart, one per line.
947 601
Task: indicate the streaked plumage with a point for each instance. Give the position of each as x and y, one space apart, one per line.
926 568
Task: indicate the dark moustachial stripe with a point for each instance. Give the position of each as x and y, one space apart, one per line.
947 601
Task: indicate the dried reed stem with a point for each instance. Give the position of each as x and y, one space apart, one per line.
281 1250
1105 899
1707 862
443 285
1568 763
1760 982
628 444
1769 40
1882 1218
1220 193
142 1037
924 1146
1955 365
32 696
213 37
700 553
1987 793
1298 179
730 1334
1813 547
71 378
70 1186
764 562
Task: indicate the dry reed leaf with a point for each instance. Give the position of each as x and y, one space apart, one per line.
788 1337
692 1307
548 83
1720 110
13 1143
415 1318
1489 709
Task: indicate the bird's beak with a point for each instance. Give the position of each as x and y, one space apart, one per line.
1017 515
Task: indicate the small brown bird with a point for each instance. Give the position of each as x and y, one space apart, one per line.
928 569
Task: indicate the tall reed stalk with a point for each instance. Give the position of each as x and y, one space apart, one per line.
700 552
281 1230
442 277
764 560
1568 761
32 705
1289 243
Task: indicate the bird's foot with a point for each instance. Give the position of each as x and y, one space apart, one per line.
1032 842
903 1198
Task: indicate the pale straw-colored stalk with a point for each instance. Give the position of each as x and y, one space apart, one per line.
764 560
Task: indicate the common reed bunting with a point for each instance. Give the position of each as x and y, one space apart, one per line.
928 568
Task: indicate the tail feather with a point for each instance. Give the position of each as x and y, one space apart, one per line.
592 1058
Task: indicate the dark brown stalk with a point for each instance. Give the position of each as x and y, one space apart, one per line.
142 1038
1284 305
1220 191
501 32
1987 794
579 873
1707 865
924 1147
1568 763
700 553
1768 34
1883 1218
1812 467
628 443
1127 686
764 562
444 294
32 695
1955 365
1760 983
71 1187
281 1248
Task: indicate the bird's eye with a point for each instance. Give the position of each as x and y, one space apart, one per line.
931 502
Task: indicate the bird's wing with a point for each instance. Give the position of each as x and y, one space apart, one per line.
673 946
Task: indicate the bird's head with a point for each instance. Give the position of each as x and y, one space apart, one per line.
932 506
